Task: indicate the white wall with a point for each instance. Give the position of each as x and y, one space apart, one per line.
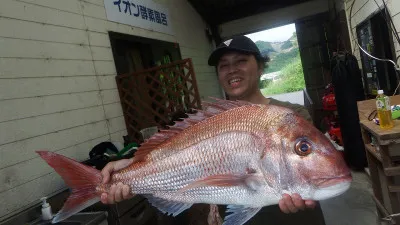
57 86
362 9
272 19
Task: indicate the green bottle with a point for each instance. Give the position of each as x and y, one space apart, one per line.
384 110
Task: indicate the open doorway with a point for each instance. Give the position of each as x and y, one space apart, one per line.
133 53
156 86
283 79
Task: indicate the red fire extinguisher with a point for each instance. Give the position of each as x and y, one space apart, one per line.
328 100
329 104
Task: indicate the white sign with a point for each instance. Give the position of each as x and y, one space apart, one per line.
139 13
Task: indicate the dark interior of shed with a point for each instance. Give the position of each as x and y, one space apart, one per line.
374 34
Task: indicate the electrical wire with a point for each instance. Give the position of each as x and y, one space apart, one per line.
384 15
392 24
351 27
396 67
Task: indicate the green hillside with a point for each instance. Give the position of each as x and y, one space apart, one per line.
283 53
292 79
287 44
285 57
281 60
265 48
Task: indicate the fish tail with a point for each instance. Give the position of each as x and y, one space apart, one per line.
82 179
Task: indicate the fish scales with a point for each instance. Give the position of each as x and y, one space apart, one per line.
205 158
203 148
250 124
186 168
203 131
243 119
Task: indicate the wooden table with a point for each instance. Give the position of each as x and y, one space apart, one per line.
383 155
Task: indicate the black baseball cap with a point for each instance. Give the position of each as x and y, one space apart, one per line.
239 44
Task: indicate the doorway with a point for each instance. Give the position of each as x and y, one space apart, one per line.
156 87
133 53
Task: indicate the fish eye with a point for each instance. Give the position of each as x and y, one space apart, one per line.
303 148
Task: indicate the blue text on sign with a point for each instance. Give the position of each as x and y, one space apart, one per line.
142 11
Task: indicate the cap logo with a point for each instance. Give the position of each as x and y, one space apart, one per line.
228 42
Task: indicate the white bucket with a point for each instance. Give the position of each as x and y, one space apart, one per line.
148 132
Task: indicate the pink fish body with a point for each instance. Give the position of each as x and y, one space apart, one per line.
232 153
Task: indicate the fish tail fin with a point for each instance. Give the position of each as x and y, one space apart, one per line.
82 179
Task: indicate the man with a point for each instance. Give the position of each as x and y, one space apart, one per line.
239 65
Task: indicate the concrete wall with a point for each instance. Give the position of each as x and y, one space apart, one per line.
362 9
273 19
57 87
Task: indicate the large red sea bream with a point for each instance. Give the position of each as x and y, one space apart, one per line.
230 153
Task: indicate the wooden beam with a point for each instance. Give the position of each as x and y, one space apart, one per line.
373 151
392 171
394 188
382 209
218 12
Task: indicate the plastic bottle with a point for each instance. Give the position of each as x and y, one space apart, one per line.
46 210
384 110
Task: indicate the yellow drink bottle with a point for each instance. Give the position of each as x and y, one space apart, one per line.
384 110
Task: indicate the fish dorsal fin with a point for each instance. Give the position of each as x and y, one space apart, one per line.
210 109
221 105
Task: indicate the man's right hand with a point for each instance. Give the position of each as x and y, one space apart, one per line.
118 192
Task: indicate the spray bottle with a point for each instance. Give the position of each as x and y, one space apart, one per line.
46 210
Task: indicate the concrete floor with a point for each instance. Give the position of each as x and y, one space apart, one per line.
355 207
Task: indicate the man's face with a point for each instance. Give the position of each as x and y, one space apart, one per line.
238 74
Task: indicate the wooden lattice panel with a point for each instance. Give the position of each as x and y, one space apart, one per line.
152 97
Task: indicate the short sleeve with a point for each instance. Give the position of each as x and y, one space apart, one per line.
301 110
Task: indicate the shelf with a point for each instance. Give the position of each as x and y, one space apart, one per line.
374 152
389 171
384 137
392 171
394 188
383 161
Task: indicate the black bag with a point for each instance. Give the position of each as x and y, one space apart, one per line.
97 158
347 82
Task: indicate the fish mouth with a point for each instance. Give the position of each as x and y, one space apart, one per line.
324 182
331 191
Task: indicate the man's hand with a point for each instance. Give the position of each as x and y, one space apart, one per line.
213 216
118 192
294 203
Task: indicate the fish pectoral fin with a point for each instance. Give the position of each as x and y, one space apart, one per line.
239 214
166 206
253 181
